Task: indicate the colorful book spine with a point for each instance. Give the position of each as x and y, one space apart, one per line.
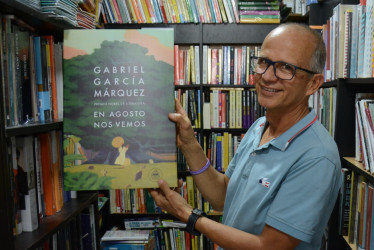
44 112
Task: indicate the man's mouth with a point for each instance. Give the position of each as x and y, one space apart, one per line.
269 89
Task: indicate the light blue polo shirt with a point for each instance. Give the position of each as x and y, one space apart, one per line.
290 183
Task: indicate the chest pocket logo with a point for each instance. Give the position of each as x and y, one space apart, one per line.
264 182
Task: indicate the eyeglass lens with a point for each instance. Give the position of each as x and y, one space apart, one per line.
281 69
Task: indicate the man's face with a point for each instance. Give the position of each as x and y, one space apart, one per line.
291 46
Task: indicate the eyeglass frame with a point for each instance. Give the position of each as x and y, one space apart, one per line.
270 62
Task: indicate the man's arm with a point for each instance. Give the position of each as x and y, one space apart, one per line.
231 238
225 236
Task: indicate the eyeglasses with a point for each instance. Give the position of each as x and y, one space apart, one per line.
282 70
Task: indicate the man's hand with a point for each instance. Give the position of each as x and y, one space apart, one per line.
185 132
171 201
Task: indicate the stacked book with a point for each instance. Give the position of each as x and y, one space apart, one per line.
35 4
85 19
64 10
259 11
79 13
128 239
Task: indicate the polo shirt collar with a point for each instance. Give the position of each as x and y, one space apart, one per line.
282 141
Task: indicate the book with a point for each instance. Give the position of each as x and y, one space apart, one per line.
22 76
352 208
345 201
26 183
51 75
141 223
369 217
47 174
44 108
127 95
126 235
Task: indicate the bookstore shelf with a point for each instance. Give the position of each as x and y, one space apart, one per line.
188 33
357 166
352 246
235 33
36 128
40 21
51 224
184 34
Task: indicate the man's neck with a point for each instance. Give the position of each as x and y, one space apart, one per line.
280 122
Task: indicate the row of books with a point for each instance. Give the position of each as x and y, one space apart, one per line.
364 109
32 74
222 107
348 35
139 201
259 11
132 201
37 179
167 235
190 100
356 210
170 11
227 65
230 108
77 234
220 148
324 103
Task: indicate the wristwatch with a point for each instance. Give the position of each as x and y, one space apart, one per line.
195 215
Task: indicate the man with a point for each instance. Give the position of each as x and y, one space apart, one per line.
281 186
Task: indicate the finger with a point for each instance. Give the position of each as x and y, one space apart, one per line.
179 108
175 117
164 187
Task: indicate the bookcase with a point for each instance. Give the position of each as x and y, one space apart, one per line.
86 203
185 34
345 129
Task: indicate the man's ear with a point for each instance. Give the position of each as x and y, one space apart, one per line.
315 83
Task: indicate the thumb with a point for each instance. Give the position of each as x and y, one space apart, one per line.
164 187
175 117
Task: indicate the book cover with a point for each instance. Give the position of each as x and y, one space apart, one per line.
118 91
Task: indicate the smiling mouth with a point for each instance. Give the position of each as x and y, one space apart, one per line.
270 90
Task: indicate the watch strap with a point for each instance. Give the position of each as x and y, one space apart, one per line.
195 215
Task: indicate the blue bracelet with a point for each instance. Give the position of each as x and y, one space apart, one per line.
201 170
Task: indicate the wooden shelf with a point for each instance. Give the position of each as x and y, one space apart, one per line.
358 167
352 246
32 129
51 224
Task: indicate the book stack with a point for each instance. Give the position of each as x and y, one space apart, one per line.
35 4
365 130
62 10
259 11
128 239
86 19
